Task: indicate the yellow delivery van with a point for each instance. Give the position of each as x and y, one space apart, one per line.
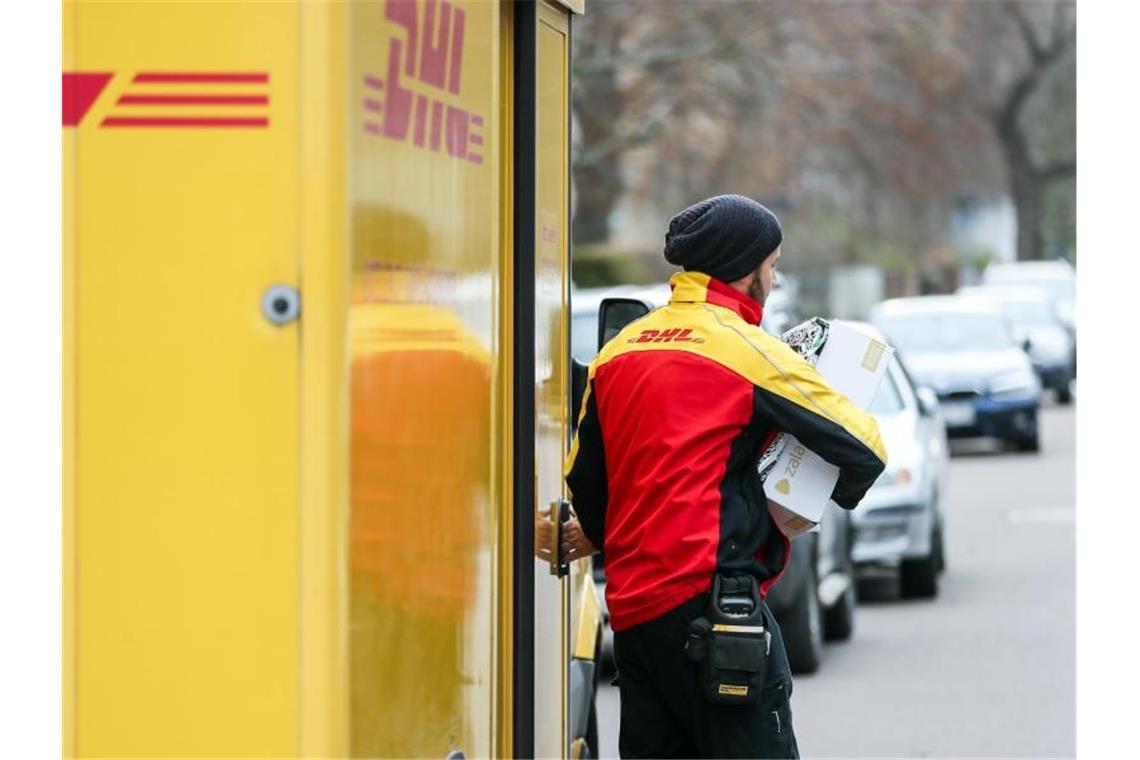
316 381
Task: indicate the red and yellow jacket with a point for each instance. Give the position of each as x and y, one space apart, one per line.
663 467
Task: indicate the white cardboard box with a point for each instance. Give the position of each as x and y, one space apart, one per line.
800 484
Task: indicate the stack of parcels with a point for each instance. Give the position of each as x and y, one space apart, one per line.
797 482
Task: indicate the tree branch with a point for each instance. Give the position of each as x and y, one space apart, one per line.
1036 50
1062 28
1058 170
647 127
1006 117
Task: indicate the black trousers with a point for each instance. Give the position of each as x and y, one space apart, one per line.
664 712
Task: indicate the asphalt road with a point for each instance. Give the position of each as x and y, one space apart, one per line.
988 668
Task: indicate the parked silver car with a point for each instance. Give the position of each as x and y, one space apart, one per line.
900 524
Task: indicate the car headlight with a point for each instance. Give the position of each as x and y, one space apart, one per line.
1018 383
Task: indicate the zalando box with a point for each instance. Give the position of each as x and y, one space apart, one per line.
800 484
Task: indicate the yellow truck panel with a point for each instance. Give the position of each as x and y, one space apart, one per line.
424 329
184 210
295 537
552 282
323 223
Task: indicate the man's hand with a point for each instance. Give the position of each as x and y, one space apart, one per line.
575 545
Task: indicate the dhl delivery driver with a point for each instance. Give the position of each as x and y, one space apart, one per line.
663 476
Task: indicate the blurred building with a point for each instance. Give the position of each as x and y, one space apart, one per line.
983 230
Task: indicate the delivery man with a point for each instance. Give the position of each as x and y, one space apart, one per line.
662 470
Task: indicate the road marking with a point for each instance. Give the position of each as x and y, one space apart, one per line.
1055 516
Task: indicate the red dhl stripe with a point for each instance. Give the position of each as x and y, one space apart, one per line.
201 76
195 100
147 121
80 90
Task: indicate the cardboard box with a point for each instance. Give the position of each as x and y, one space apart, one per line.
800 484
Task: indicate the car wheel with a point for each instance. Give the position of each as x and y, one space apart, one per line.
591 748
803 630
939 550
606 664
1031 440
1030 443
839 621
918 578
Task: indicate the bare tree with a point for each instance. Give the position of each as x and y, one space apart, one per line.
862 121
666 73
940 85
1048 33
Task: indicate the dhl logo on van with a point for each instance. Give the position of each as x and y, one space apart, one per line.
424 72
158 99
674 335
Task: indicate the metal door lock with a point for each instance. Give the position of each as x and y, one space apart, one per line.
281 304
559 515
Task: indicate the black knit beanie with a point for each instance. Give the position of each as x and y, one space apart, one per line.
725 237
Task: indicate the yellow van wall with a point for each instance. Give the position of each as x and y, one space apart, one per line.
425 324
296 539
182 515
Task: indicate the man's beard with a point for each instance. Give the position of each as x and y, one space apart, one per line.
756 291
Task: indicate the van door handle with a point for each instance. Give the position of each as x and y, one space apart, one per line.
559 515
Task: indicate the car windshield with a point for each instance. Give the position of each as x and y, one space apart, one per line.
946 332
584 336
1030 313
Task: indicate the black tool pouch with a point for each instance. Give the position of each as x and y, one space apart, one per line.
731 643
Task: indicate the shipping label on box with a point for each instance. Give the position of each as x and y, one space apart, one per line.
800 483
853 363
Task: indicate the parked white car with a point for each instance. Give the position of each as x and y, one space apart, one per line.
1057 279
1039 329
900 523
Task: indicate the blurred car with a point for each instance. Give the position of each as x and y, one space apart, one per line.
1036 324
963 348
1057 279
899 525
780 310
584 303
814 601
815 598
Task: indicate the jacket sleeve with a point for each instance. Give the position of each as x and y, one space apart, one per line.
585 470
800 402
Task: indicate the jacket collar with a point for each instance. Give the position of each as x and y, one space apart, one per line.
695 287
